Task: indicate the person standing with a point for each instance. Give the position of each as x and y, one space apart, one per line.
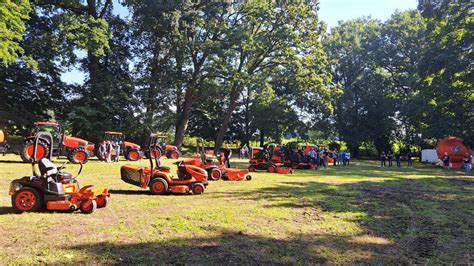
409 161
227 154
343 158
312 156
389 157
397 159
446 161
467 163
348 157
325 159
383 158
334 157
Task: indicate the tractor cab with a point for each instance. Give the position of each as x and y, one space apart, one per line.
115 137
162 148
55 129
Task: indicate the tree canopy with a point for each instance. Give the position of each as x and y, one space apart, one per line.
252 70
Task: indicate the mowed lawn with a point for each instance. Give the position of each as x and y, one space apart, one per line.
353 214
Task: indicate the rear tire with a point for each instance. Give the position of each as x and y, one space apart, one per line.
78 155
172 155
89 206
31 142
214 174
271 169
158 186
102 203
198 189
27 200
132 155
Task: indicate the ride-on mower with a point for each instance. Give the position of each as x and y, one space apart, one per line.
213 171
160 180
77 150
259 161
299 155
52 188
162 148
130 150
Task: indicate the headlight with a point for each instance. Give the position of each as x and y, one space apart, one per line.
14 187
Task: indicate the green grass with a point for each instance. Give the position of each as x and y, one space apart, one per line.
360 213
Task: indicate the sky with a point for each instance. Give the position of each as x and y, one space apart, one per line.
331 11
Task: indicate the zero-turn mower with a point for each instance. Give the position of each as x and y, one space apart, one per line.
162 148
77 150
160 180
259 161
52 188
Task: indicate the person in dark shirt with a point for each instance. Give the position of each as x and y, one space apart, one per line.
227 154
467 159
446 160
398 160
409 161
389 157
383 157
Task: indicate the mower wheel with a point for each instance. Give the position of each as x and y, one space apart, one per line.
27 200
271 169
102 201
251 168
158 186
214 174
198 189
78 155
88 206
173 155
132 155
28 147
248 177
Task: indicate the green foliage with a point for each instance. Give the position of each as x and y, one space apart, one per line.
12 17
86 32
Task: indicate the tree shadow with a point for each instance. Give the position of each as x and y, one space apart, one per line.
427 218
229 247
11 161
6 210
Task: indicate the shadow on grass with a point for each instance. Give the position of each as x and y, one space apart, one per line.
11 161
229 247
428 219
6 210
129 192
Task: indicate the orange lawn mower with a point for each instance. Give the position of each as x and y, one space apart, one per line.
129 150
52 188
259 161
77 150
162 148
230 174
160 180
299 155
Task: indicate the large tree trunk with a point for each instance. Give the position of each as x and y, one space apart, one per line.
262 138
183 118
234 95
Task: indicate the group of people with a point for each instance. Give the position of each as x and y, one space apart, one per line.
467 162
321 157
244 152
386 159
109 151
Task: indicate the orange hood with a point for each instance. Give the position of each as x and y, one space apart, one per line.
131 145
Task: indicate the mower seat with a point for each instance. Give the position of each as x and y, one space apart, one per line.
47 168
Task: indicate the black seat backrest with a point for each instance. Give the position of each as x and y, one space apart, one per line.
47 168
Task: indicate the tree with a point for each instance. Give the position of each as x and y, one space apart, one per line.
12 27
267 39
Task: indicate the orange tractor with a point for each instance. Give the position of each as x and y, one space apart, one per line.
52 188
261 160
162 148
299 155
130 150
4 146
77 150
160 180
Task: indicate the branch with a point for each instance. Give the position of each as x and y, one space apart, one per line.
78 9
104 10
